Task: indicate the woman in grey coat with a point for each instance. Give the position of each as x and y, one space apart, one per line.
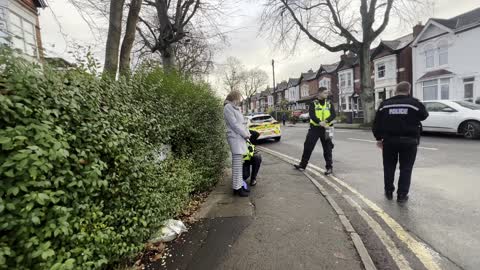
237 136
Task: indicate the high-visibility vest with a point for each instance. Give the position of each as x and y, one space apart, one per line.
321 111
250 151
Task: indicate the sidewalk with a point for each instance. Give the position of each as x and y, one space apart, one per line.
285 224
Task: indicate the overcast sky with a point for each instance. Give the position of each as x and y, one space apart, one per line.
63 26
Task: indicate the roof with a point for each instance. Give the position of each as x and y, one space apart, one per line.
394 45
399 43
348 61
308 76
293 81
281 86
328 68
461 21
435 74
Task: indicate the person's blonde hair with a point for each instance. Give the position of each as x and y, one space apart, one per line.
233 96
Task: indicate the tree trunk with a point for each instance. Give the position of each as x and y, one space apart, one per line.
367 92
113 38
168 58
129 38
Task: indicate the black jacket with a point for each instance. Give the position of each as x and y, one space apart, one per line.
313 116
399 116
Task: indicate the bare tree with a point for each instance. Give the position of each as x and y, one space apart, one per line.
173 21
337 25
254 80
194 57
233 72
129 38
113 37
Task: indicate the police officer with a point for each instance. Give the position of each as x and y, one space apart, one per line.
321 113
397 130
252 160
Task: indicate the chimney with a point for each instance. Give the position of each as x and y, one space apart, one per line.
417 29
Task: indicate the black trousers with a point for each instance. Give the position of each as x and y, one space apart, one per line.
394 151
254 163
283 122
315 133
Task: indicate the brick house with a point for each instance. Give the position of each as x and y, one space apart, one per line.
279 94
20 28
293 93
327 77
392 62
308 88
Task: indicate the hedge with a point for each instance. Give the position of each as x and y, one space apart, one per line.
85 177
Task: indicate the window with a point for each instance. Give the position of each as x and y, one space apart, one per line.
343 80
349 79
304 90
444 88
443 53
468 84
325 83
343 103
429 57
346 79
23 35
430 90
381 70
435 106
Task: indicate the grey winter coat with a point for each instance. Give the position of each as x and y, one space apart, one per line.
236 131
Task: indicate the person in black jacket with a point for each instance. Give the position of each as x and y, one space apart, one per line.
397 129
321 113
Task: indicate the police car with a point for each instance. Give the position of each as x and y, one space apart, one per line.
265 125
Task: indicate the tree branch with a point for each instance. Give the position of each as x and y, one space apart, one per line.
385 20
338 48
338 24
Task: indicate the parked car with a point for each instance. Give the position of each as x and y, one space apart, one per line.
304 117
458 117
266 125
297 113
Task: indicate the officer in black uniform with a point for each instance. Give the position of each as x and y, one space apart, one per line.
397 130
321 113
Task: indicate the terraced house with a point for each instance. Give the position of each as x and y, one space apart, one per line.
20 28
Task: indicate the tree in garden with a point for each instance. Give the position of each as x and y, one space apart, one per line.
338 25
254 80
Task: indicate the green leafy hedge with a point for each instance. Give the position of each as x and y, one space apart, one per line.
83 182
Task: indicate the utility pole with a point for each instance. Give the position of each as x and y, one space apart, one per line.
273 91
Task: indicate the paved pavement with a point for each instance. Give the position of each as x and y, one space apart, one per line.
285 224
444 208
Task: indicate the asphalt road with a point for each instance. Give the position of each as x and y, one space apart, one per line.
444 206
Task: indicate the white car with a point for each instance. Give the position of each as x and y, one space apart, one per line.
304 117
458 117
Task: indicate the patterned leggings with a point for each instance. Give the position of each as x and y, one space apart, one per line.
237 171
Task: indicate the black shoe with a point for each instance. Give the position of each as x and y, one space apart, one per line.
389 195
401 198
253 182
329 172
241 192
299 167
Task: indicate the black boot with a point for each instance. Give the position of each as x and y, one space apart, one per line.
299 167
329 172
253 182
402 198
389 195
241 192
